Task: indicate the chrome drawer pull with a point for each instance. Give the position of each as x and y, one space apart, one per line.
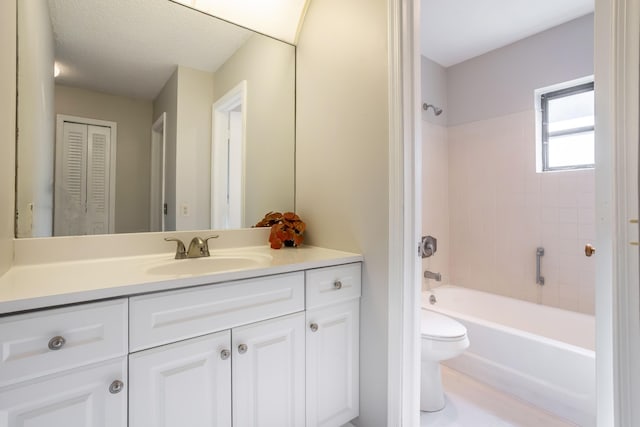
337 284
224 354
116 387
56 343
242 348
313 327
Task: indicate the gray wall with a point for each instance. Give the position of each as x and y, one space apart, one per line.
193 149
133 148
7 130
502 81
433 80
36 121
268 66
342 163
167 102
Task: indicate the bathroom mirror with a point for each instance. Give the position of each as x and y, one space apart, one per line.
159 117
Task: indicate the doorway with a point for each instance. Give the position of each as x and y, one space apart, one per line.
228 158
158 208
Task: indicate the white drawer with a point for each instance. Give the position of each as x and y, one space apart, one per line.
89 333
333 284
166 317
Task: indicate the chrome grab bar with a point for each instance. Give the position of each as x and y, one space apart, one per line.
539 277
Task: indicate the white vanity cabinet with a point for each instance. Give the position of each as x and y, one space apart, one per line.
269 372
83 397
332 345
187 383
278 350
257 369
247 357
65 367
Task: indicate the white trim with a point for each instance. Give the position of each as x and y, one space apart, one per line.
233 98
617 294
404 214
159 124
60 119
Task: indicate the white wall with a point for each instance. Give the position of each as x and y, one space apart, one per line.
268 66
342 155
193 149
36 121
501 82
7 130
167 102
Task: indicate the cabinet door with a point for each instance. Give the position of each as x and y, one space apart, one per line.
183 384
332 364
268 373
84 397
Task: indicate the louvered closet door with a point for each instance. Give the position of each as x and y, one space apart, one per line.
98 168
82 187
71 181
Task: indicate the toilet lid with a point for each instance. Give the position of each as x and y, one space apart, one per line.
438 326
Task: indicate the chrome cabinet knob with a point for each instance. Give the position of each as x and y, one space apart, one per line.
313 327
224 354
116 387
56 343
242 348
337 284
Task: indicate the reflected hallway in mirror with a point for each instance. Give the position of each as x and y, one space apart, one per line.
156 70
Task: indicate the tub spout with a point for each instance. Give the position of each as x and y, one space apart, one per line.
431 275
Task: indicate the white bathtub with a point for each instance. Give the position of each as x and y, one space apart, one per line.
540 354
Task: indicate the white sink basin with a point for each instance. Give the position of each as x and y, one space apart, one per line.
212 264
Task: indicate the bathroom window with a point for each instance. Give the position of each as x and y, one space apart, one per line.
567 120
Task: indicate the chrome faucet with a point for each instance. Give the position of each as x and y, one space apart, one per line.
198 247
431 275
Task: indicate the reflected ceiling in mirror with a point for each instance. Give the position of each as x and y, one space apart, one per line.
160 118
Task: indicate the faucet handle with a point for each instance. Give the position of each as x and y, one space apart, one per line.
215 236
181 251
206 241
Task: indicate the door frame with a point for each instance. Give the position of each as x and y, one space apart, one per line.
157 144
60 119
237 96
403 402
617 294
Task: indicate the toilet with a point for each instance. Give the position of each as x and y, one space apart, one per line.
442 338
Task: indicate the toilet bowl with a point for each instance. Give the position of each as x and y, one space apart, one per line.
442 338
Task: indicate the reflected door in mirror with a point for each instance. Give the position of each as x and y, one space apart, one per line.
83 191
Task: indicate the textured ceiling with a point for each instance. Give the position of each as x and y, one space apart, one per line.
453 31
131 47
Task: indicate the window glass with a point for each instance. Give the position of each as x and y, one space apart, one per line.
568 128
570 150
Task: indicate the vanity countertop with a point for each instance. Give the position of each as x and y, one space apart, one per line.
28 287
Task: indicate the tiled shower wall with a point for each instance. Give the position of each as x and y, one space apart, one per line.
501 210
490 210
482 197
435 199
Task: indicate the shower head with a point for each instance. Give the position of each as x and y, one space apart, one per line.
436 110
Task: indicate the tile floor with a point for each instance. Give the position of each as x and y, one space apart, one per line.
472 404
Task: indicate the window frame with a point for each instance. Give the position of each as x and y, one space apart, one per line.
545 97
